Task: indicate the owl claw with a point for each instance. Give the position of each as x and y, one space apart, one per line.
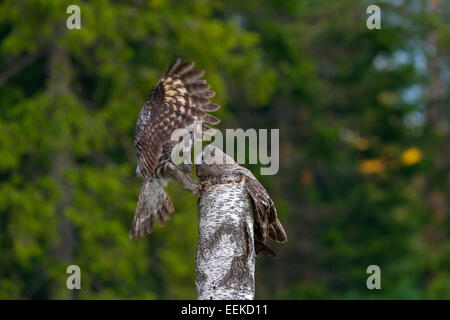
196 189
187 168
194 186
204 184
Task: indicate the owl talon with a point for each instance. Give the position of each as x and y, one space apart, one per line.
204 184
193 186
187 168
197 188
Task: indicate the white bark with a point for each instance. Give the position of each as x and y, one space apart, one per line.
225 260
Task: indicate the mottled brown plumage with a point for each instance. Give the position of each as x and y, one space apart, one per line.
175 102
178 100
266 223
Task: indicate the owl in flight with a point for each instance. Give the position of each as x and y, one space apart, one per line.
179 99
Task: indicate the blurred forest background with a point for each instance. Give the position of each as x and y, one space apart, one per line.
364 143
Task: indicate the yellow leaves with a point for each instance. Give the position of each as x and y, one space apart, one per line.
372 166
362 144
408 157
411 156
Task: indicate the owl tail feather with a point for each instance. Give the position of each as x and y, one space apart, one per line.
276 232
153 203
262 248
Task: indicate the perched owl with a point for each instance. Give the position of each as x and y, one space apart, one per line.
266 222
175 102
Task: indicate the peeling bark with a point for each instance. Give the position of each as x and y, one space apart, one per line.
225 260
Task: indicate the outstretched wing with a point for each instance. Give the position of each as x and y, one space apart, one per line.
178 99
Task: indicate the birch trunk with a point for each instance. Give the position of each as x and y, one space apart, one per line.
225 260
